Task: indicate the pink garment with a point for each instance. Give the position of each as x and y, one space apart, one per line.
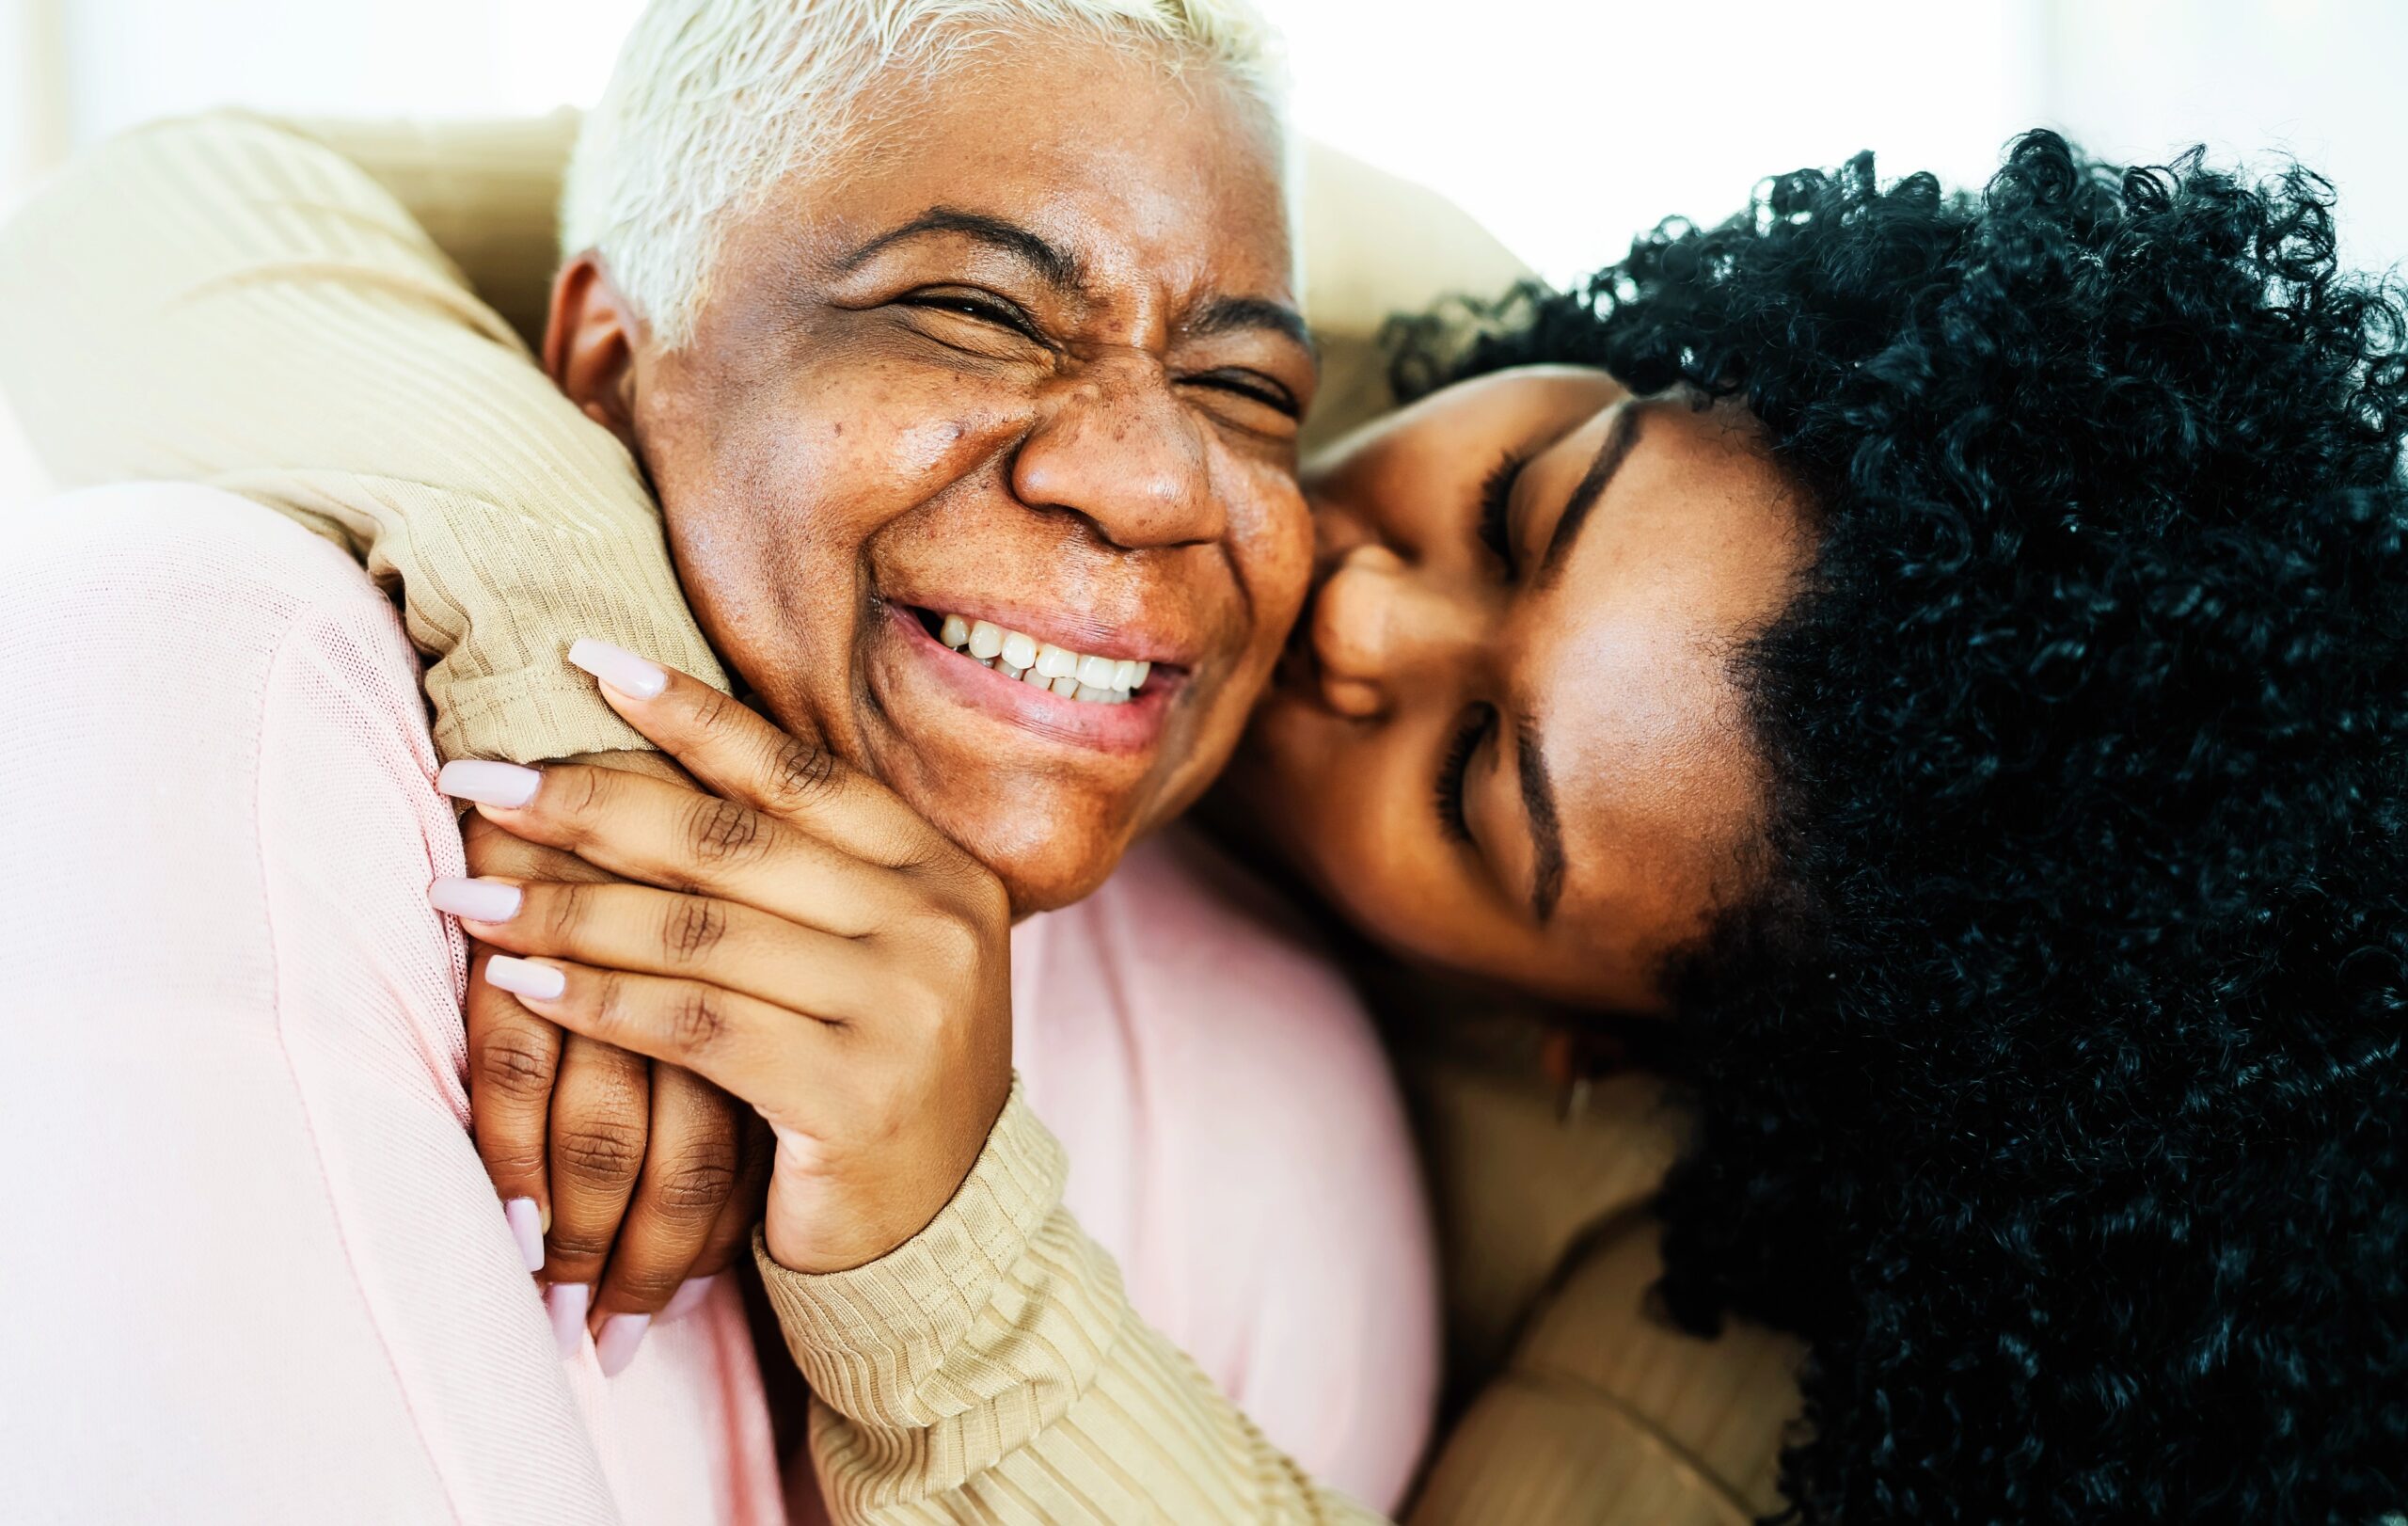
1236 1143
254 1270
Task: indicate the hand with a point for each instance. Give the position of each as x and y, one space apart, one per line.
806 941
624 1181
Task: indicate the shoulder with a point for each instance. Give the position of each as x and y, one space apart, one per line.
186 556
202 624
177 562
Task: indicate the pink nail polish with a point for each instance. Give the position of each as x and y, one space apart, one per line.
616 1346
568 1302
692 1296
474 900
488 784
527 1227
522 978
618 667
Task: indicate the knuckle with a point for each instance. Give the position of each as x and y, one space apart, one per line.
799 772
693 928
723 833
697 1187
599 1152
565 909
517 1064
580 791
951 942
579 1243
711 711
700 1019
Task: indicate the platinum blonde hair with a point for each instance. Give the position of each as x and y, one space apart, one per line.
713 103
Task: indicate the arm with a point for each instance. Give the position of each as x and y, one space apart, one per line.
990 1369
224 301
245 1118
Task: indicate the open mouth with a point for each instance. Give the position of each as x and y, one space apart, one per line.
1088 677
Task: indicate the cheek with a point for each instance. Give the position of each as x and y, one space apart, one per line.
773 487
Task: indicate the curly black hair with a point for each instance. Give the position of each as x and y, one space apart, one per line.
2052 1082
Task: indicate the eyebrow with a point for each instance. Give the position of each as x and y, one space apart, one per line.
1228 315
1608 459
1054 266
1547 833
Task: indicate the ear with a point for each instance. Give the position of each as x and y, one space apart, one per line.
590 346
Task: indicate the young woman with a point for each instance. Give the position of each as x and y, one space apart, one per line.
1942 654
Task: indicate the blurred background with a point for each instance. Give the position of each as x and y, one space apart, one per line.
1564 125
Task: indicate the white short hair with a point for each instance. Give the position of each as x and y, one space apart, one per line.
713 103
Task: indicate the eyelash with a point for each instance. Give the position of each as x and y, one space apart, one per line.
1277 400
1497 503
1474 731
984 311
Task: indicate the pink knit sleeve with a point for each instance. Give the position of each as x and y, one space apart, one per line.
255 1272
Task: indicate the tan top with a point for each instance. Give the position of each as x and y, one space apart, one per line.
234 301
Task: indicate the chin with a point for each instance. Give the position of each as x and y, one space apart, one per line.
1045 860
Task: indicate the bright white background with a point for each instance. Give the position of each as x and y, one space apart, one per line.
1565 125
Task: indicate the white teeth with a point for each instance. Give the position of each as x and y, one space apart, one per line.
1095 679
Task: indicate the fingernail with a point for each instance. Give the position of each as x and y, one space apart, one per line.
527 1227
488 784
620 1335
689 1298
568 1302
477 900
618 667
521 977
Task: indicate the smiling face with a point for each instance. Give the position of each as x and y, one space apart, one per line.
1507 741
1028 357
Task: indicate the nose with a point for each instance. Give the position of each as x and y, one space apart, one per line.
1384 629
1116 449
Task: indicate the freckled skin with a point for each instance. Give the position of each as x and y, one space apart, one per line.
834 441
1623 663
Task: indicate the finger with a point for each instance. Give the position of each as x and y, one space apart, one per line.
782 1061
689 1171
514 1060
650 931
600 1122
494 849
731 1236
675 838
742 757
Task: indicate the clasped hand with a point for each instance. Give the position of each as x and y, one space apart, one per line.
791 932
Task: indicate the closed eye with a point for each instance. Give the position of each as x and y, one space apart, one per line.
1497 506
1253 386
1476 724
976 304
